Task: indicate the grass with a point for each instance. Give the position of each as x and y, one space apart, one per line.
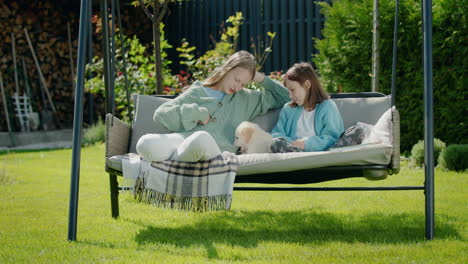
261 227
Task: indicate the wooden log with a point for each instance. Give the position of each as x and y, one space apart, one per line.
41 76
13 48
5 106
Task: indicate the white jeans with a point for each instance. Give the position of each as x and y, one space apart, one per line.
158 147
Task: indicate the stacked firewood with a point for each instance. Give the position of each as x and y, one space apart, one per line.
48 27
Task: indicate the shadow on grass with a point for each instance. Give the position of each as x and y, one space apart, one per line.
249 228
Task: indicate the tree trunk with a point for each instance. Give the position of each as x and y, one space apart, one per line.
157 46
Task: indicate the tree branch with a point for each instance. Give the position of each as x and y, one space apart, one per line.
147 12
164 9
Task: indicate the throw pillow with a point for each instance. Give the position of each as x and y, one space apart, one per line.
381 131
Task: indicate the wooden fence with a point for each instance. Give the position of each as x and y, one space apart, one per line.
295 22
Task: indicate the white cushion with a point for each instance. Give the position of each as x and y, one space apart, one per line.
277 162
381 131
143 123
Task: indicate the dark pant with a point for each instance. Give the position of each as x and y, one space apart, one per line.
280 145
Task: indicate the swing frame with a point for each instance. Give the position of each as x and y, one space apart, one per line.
328 173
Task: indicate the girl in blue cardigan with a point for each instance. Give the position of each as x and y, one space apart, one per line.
310 121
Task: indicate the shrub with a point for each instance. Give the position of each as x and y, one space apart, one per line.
201 67
417 152
344 61
140 73
94 134
454 157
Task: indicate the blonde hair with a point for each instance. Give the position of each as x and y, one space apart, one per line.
301 72
241 59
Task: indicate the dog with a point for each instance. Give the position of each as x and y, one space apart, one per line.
251 138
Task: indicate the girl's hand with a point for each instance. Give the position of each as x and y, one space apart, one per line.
204 122
298 143
259 77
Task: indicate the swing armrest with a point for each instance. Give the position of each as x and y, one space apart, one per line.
394 166
117 136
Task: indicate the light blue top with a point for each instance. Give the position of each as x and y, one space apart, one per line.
327 122
214 93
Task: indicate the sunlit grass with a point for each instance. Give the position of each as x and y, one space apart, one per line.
262 227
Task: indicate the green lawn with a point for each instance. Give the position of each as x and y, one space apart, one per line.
262 227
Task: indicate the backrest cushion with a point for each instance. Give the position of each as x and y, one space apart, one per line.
268 120
367 110
143 123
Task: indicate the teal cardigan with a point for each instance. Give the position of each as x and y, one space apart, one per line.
328 125
182 114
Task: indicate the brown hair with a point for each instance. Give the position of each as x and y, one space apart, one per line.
241 59
301 72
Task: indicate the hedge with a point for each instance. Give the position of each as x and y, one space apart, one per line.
345 58
455 157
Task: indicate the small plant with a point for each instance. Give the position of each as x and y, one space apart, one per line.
417 152
139 77
261 51
204 65
186 54
454 157
94 134
230 34
277 75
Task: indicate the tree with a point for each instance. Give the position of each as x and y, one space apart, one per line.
159 8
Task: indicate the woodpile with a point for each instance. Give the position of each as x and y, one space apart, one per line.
46 25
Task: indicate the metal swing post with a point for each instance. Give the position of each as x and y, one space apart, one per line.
78 121
428 118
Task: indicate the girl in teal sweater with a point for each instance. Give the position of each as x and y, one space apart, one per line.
204 118
311 121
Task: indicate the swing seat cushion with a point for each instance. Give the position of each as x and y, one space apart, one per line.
378 153
363 109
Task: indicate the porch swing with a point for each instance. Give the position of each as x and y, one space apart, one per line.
373 162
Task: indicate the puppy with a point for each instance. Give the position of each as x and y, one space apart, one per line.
251 138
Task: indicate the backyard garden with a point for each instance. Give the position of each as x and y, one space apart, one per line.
261 226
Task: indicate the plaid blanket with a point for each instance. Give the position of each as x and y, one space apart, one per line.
199 186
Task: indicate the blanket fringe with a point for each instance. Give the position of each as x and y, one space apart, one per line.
195 204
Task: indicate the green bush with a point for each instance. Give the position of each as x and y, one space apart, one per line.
94 134
344 61
417 152
140 73
454 157
201 67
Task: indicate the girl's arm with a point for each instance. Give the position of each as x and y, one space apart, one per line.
182 113
279 131
273 96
